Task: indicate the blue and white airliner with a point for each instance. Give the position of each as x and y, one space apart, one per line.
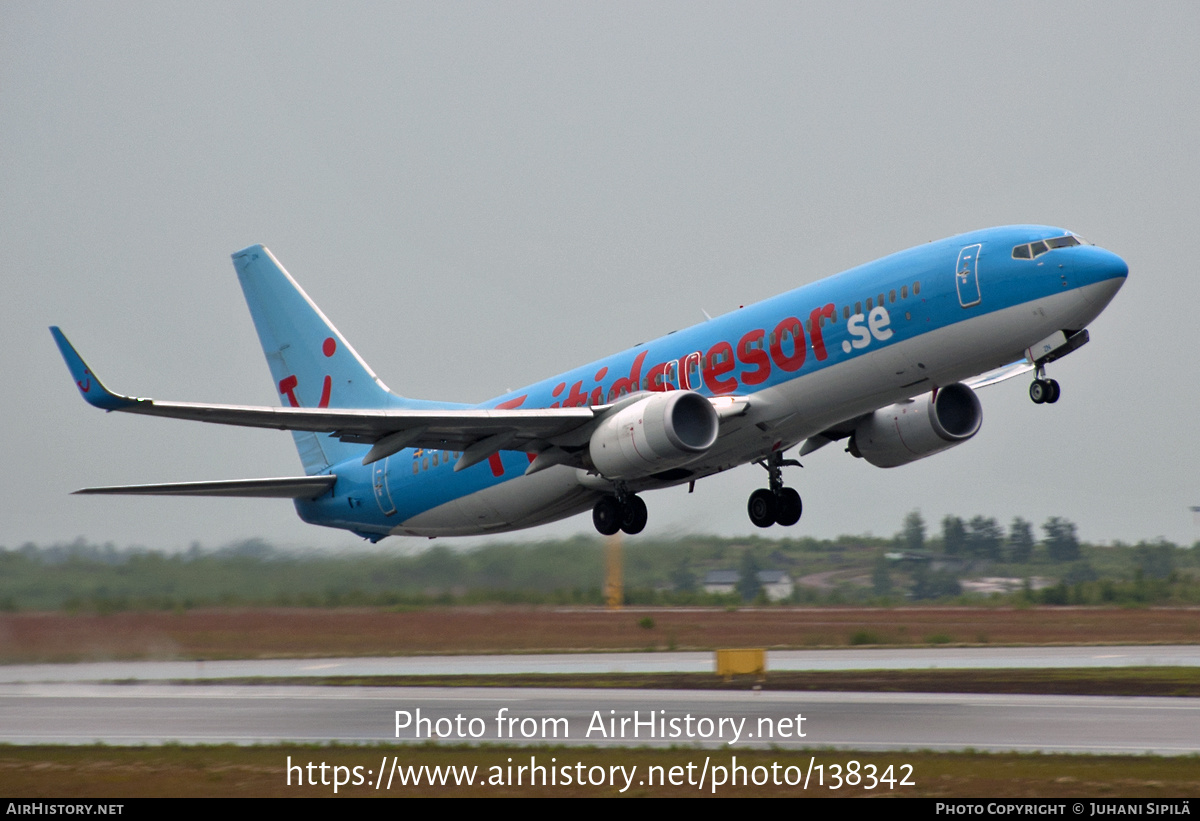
886 356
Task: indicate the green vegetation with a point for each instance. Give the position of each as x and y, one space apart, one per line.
970 561
261 771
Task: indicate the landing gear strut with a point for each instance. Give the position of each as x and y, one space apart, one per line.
776 504
625 511
1044 390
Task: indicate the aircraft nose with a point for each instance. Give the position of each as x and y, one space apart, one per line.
1101 274
1098 265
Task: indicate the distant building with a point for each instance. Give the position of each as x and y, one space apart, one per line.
721 581
776 584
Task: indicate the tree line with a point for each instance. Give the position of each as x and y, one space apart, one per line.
982 537
914 564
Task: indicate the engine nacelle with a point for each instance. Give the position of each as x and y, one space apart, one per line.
908 431
661 431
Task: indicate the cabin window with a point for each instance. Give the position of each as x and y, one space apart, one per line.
858 307
870 304
916 288
435 459
416 466
892 296
904 292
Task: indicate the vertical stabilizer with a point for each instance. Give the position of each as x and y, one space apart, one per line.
312 364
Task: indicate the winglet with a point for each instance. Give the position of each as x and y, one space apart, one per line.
92 389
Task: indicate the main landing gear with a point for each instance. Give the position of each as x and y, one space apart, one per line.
777 504
1043 390
625 511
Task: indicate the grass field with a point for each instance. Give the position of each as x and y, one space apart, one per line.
227 771
305 632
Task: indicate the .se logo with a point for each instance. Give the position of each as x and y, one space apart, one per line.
877 321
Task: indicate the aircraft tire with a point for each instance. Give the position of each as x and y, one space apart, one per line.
633 516
788 507
606 516
762 508
1038 391
1055 391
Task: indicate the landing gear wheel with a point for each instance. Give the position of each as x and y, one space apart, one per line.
606 516
633 515
1055 392
1039 391
787 507
762 507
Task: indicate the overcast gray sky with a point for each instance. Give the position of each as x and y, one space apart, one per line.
480 195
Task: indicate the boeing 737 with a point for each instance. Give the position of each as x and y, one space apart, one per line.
886 356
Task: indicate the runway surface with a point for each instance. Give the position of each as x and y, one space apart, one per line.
210 714
134 703
878 659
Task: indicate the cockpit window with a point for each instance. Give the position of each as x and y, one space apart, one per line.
1062 242
1036 249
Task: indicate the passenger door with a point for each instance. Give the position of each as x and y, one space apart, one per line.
966 276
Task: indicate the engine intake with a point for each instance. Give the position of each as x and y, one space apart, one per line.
650 435
912 430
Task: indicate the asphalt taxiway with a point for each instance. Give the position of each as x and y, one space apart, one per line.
213 714
136 703
692 662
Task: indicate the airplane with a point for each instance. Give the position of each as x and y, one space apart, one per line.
886 356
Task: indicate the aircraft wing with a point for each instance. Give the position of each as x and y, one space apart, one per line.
476 432
1001 374
983 380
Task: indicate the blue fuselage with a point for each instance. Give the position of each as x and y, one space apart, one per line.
876 334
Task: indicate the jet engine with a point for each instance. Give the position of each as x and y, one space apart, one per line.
912 430
661 431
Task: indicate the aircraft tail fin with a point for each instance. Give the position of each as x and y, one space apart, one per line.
311 363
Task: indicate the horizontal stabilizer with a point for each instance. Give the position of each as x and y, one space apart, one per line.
284 487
